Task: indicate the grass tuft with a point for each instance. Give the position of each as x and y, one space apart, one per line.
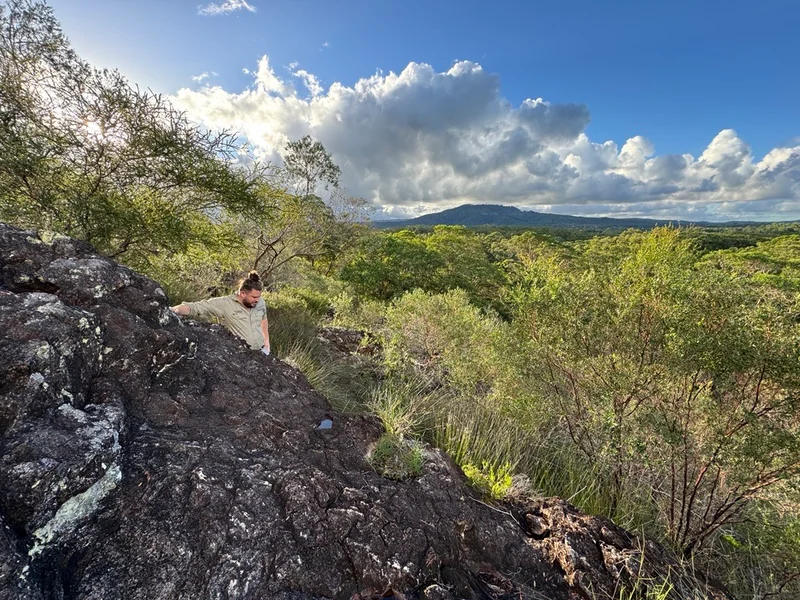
396 457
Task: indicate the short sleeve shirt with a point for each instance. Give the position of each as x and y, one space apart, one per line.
240 321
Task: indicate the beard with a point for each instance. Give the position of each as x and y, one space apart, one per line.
247 302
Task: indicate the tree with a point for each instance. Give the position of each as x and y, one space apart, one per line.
309 164
467 264
385 265
294 227
84 153
293 222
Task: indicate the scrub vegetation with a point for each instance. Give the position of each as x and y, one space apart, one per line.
652 377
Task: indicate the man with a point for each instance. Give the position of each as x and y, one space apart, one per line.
244 313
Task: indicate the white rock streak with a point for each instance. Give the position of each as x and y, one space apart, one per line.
75 510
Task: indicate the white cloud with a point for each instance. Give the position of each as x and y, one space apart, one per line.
226 7
203 76
310 81
422 140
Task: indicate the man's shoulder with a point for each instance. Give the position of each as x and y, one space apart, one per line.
232 305
222 301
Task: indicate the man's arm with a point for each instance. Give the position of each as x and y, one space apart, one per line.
265 331
180 309
213 307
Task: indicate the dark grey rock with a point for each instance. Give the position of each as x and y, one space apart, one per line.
144 457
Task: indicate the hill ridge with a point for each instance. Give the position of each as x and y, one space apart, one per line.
502 215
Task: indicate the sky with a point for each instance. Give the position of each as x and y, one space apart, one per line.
646 108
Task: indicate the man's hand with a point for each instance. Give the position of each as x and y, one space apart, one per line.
180 309
265 350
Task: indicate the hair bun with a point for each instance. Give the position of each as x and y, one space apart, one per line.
253 276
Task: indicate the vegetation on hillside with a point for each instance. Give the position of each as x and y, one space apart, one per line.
648 376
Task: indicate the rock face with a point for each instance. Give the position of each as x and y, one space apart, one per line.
146 457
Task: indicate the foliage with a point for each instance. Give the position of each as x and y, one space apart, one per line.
678 376
771 263
644 589
331 379
495 482
350 310
309 164
760 557
639 378
710 239
84 153
466 264
291 222
396 457
292 227
444 337
292 322
402 405
201 271
387 264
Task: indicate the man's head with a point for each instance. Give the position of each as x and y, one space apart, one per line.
250 290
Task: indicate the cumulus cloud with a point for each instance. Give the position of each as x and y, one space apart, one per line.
229 6
422 140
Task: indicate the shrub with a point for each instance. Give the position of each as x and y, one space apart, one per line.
291 323
357 312
676 376
493 481
446 338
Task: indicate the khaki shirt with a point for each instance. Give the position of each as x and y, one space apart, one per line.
237 319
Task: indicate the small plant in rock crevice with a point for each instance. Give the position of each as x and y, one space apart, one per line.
396 457
494 481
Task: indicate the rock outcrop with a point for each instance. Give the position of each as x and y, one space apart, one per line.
146 457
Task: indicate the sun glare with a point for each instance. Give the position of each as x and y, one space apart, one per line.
94 129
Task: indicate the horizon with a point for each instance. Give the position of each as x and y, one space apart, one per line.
631 110
561 214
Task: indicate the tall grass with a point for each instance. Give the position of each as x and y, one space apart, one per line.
293 324
404 405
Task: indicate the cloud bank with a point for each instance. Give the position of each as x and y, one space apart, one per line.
229 6
421 140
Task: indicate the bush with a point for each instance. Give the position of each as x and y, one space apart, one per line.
196 274
666 374
444 337
358 313
760 556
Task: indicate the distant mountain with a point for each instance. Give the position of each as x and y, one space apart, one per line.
475 215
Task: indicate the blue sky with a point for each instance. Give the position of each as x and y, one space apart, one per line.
669 109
